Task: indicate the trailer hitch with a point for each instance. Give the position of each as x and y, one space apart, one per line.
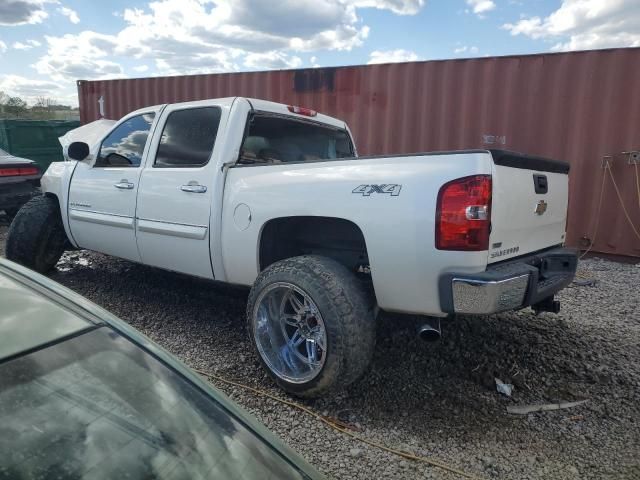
546 305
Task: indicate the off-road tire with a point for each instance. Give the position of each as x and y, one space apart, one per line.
36 237
11 212
347 310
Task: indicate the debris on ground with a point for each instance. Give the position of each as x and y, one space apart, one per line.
504 388
545 407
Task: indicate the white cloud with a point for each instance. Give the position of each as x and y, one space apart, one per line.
585 24
26 45
202 36
81 56
3 47
480 7
271 60
27 88
392 56
141 68
400 7
21 12
70 13
173 64
473 50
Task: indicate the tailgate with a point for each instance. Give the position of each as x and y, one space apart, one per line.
529 204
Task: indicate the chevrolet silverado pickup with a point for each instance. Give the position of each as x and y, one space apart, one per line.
275 197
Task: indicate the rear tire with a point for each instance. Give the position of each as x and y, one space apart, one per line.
36 237
339 316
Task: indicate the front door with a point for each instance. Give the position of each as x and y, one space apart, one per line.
176 197
102 197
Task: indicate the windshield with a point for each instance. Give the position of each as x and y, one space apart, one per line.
99 407
273 139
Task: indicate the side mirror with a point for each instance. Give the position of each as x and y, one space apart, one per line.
78 151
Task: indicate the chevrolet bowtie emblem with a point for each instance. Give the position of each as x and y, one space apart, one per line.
541 207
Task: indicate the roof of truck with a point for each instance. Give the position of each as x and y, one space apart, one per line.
281 108
259 105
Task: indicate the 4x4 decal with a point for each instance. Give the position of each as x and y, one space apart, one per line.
392 189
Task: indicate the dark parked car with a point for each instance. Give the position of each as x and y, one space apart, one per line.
85 396
19 181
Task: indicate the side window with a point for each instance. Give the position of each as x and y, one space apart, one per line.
124 146
188 137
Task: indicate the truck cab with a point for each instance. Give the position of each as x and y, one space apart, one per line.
155 183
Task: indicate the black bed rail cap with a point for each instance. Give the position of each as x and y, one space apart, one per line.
528 162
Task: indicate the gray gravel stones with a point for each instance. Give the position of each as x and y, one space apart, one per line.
437 400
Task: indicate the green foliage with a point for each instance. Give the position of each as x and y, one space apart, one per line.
15 106
45 108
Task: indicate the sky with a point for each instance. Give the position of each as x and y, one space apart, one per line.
46 45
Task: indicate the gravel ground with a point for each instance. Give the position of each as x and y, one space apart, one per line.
437 400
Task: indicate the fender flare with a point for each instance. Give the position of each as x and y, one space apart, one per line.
56 183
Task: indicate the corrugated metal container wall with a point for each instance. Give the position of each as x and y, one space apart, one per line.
577 106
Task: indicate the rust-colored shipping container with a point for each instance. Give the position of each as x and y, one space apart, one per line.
578 106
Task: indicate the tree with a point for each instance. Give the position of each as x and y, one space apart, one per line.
15 106
45 103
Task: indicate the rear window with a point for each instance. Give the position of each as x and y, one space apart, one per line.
272 139
99 407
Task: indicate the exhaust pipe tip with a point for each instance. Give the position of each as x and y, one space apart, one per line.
430 331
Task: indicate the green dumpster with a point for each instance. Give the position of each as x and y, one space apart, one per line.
35 139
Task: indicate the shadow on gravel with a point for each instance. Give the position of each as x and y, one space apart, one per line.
451 383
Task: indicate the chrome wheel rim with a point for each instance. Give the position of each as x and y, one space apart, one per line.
289 332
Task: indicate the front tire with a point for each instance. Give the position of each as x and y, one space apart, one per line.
312 325
11 212
36 237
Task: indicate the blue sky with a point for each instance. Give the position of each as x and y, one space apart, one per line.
45 45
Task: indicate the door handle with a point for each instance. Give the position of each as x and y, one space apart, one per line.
124 185
193 188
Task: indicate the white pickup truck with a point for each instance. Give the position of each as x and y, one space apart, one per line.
275 197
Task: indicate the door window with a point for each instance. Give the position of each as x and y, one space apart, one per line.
188 137
124 145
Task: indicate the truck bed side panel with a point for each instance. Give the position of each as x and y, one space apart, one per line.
398 229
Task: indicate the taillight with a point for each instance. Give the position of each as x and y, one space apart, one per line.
302 111
463 214
18 171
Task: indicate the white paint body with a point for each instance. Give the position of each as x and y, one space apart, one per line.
216 234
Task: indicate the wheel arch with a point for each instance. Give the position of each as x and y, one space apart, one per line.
56 183
52 195
290 236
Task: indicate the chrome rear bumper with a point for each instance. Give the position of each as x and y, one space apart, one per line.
509 285
488 296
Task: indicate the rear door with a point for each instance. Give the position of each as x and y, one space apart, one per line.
176 190
102 195
529 204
